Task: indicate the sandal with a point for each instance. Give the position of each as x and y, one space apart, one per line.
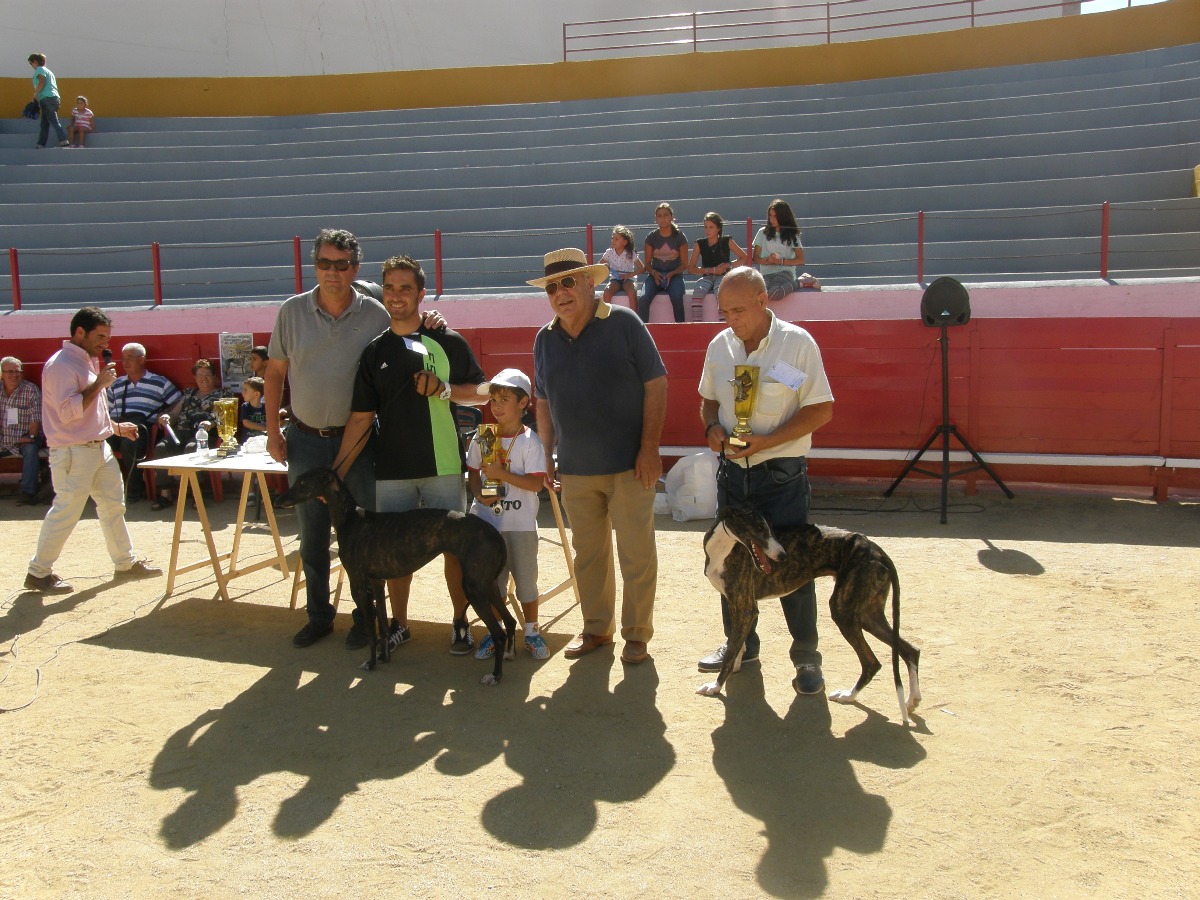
161 502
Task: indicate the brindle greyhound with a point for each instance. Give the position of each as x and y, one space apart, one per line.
746 561
377 546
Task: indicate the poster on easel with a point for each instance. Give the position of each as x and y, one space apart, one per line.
235 359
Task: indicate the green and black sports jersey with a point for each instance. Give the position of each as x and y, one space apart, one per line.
417 435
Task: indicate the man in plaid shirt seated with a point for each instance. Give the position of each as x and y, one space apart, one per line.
21 418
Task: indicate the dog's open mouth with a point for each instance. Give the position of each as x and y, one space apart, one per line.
760 558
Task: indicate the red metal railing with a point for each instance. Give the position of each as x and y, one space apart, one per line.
299 263
821 21
508 268
1104 223
14 270
156 262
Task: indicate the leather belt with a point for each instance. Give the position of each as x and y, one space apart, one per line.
785 465
320 432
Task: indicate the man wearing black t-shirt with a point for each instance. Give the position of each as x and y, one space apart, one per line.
410 378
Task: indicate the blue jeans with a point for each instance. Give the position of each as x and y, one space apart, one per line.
49 106
29 466
311 451
674 288
779 490
435 492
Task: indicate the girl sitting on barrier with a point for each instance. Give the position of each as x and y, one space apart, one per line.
712 257
777 251
623 266
666 261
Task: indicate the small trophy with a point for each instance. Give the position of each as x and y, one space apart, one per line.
226 414
745 390
489 450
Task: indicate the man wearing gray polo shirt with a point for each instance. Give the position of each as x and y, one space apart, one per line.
315 346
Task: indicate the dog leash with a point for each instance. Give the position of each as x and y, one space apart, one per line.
723 467
338 460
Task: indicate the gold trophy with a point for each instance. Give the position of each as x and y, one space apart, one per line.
226 413
745 390
489 450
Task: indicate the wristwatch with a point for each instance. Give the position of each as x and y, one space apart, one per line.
446 390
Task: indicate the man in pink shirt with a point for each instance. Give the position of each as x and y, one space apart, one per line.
76 422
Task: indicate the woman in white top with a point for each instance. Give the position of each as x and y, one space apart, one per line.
777 250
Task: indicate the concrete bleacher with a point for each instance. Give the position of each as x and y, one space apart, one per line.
1010 166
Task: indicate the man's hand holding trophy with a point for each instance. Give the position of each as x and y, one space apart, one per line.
745 391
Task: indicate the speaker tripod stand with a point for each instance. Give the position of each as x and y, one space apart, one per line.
945 431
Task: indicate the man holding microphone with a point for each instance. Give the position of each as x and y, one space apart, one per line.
76 421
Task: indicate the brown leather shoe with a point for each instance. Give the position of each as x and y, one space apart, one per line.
47 584
585 643
140 569
635 652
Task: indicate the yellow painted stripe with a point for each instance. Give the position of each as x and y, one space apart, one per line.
1122 31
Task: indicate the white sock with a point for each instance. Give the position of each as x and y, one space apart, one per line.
531 628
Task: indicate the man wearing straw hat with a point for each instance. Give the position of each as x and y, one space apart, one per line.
603 388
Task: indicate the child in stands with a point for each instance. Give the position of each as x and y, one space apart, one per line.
623 266
520 467
712 257
83 121
777 251
666 260
253 413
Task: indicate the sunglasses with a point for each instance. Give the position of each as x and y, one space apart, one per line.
566 283
340 264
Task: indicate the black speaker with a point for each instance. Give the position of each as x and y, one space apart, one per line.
945 302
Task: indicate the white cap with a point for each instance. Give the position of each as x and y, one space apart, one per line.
510 378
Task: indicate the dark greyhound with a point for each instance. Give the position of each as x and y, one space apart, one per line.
376 546
746 561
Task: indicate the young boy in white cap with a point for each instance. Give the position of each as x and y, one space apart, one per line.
520 467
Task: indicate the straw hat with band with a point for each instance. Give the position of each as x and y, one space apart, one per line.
569 261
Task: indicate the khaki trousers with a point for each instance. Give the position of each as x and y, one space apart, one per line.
597 505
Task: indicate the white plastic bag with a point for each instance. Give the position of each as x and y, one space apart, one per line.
692 487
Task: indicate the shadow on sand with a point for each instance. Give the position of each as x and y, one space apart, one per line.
575 749
795 776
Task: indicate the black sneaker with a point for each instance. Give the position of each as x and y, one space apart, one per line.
396 637
356 637
716 659
27 499
809 679
460 641
310 634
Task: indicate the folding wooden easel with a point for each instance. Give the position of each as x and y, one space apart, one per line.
568 582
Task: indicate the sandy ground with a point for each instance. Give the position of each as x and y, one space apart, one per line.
189 750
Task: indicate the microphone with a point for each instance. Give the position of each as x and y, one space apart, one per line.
107 354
